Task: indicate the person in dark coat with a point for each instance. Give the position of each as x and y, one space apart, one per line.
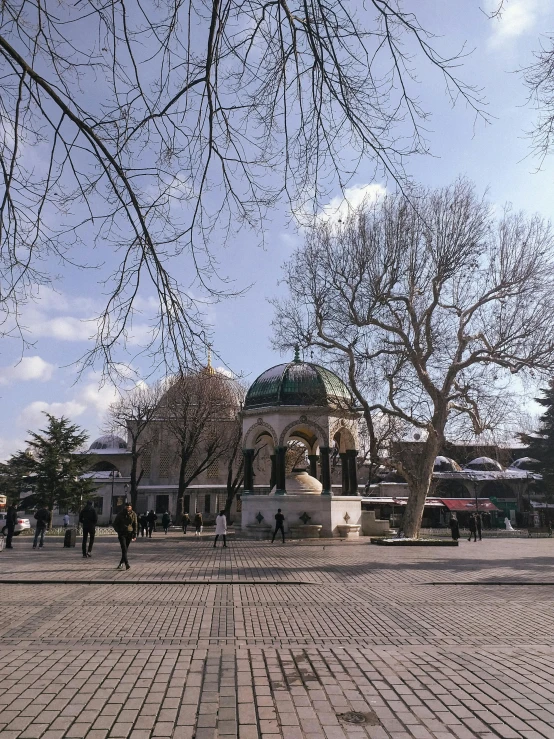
152 518
279 525
42 517
126 525
166 520
11 520
143 524
472 527
479 525
454 527
198 523
186 522
88 518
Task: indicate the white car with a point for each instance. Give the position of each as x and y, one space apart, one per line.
21 525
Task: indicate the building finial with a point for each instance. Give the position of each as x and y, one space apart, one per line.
297 353
209 370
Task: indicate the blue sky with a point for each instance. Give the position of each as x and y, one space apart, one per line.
495 156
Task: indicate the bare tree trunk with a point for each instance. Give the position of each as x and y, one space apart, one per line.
419 480
182 486
135 479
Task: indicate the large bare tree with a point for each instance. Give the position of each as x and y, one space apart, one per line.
132 415
142 130
428 311
200 412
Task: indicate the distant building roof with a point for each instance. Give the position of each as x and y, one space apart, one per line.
110 443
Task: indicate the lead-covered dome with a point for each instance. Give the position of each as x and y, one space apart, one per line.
298 383
109 443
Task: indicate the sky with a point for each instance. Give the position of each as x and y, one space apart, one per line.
496 156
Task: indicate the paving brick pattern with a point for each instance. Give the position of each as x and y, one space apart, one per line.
278 641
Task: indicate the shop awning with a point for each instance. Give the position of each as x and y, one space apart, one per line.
468 504
383 500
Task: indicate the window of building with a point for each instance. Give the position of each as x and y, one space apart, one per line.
213 470
207 500
162 503
98 504
146 460
164 461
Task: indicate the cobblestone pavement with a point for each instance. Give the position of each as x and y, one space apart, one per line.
261 640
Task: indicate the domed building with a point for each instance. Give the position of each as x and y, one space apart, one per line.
300 411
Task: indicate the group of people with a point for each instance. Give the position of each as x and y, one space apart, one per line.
127 525
475 526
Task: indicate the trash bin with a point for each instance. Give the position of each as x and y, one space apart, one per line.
70 538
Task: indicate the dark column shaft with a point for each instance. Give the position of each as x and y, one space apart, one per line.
248 470
345 474
273 478
280 470
352 472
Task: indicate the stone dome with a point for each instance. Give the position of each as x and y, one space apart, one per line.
109 443
298 383
299 482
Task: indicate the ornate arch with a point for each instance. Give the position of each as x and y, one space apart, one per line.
348 427
303 421
258 426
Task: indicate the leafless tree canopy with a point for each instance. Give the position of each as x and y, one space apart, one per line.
144 129
429 312
539 78
132 416
200 413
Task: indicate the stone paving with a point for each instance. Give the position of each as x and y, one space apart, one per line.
261 640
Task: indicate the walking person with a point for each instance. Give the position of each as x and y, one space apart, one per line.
186 522
166 520
152 518
198 524
11 520
125 524
479 525
454 527
221 528
143 524
472 527
42 517
279 525
88 518
66 520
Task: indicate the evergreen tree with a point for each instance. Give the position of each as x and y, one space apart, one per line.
52 467
541 444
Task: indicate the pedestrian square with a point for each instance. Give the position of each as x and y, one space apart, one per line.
294 641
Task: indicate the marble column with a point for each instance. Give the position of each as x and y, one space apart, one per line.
325 465
280 470
248 471
352 472
344 463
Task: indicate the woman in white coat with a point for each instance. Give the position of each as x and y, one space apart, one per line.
221 528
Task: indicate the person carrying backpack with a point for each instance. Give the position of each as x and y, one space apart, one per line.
198 523
166 520
186 522
42 517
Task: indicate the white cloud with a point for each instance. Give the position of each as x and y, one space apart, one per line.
32 415
29 368
517 18
339 207
10 445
